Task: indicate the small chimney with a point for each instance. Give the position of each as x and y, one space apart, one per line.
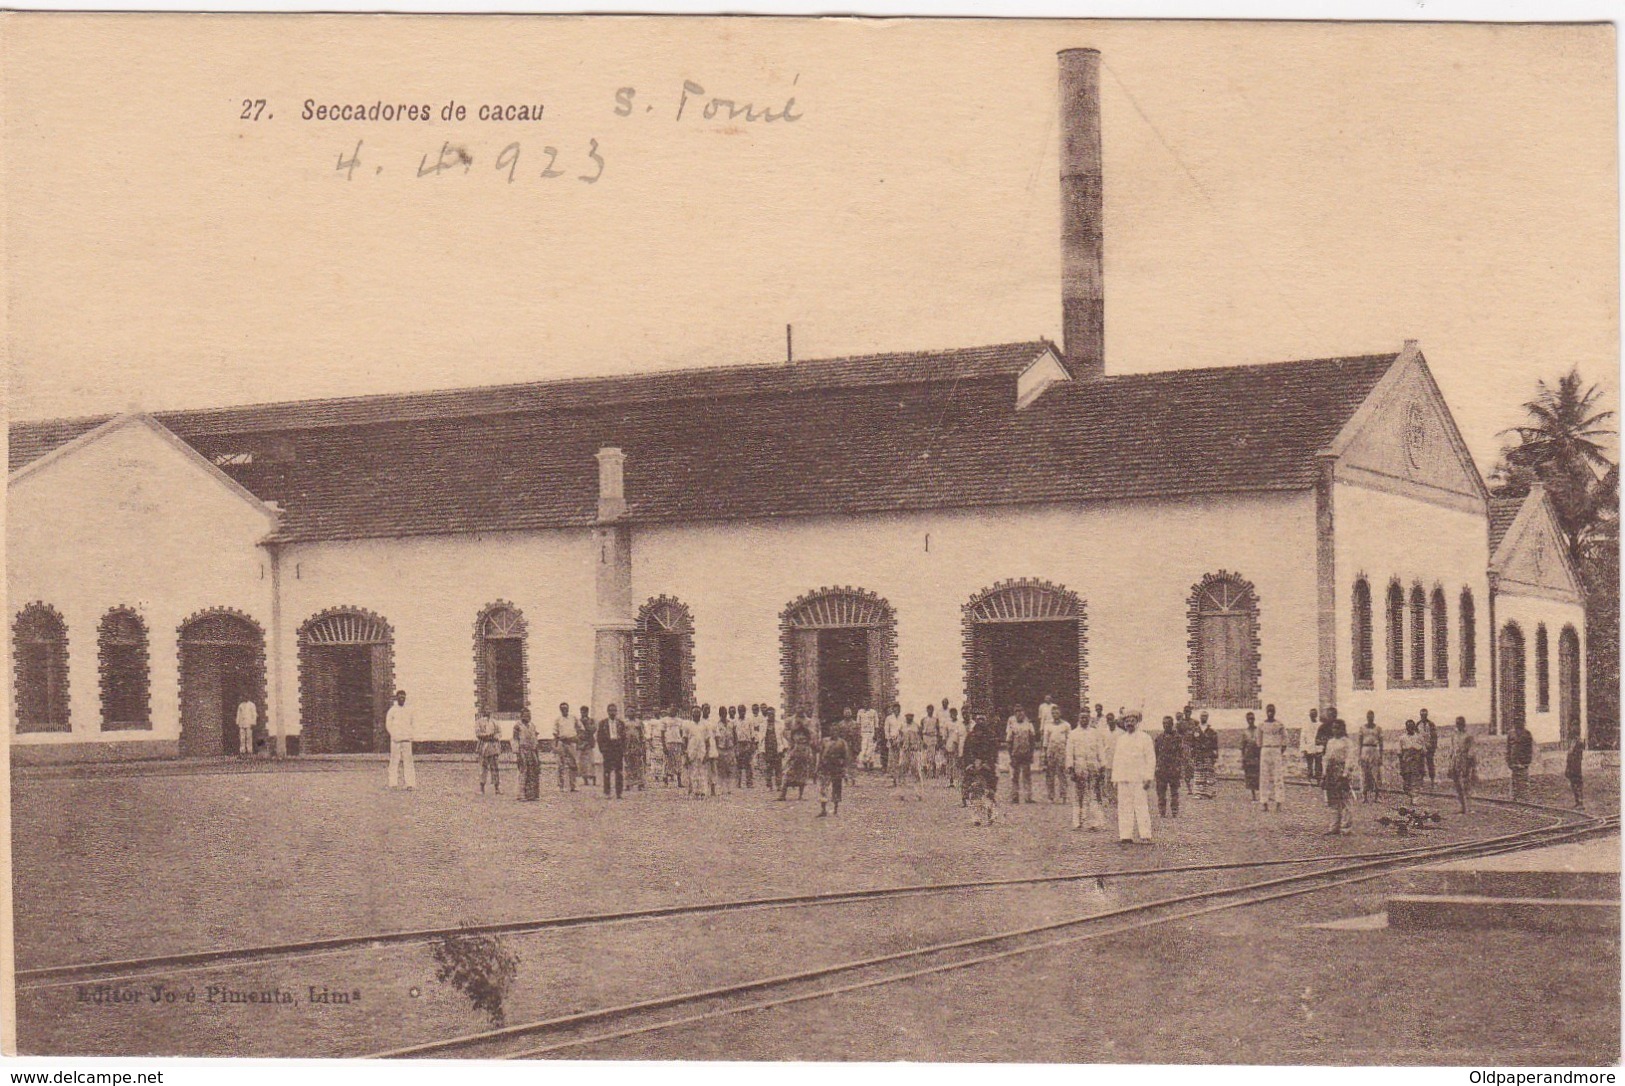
611 483
1083 298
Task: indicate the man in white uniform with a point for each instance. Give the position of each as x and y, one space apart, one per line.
402 727
894 736
1085 761
1272 749
564 746
248 714
1134 766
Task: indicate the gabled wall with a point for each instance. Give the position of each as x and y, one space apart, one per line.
128 518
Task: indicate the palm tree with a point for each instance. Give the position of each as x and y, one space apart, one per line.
1563 445
1564 426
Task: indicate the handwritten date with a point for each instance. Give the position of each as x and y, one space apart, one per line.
511 163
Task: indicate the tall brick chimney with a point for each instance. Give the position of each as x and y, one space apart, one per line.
1083 298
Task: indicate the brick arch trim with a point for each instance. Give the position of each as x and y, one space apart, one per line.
1066 605
104 665
258 645
885 622
58 664
484 695
307 695
645 658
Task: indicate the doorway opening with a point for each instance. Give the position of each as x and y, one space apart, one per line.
222 665
346 683
838 652
843 671
1025 641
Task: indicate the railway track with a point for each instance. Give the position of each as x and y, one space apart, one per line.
130 969
572 1031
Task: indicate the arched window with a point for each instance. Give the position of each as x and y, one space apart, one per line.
1419 633
1509 662
1543 672
1469 639
1396 633
1362 634
1568 683
122 654
1441 639
1224 648
499 661
40 657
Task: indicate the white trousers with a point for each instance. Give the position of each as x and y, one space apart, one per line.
400 757
245 740
1088 807
1271 778
1133 813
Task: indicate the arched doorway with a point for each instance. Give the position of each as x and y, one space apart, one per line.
663 655
346 681
1509 650
1568 683
838 650
222 665
1024 640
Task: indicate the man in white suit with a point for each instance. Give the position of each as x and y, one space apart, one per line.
1134 766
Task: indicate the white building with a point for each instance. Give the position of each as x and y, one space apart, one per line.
989 525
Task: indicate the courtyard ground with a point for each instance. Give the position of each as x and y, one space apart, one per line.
114 866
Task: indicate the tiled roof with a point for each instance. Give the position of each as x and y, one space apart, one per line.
886 433
1503 511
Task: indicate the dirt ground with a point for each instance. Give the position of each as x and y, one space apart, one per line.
125 866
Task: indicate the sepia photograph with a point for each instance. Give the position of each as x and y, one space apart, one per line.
785 539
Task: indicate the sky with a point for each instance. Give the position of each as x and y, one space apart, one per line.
1272 191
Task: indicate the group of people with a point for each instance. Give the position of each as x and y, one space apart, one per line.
1102 759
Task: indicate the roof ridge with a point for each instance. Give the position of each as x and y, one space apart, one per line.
1253 367
697 372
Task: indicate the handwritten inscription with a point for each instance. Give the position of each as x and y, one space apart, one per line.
459 158
694 102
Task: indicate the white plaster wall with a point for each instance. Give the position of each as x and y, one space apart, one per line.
1383 536
1529 612
129 520
431 590
1133 563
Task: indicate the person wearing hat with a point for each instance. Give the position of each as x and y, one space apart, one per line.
401 725
1134 766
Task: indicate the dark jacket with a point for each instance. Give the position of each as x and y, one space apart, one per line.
1207 745
1520 748
1170 747
1575 766
612 740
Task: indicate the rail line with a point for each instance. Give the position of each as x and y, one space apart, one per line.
900 966
129 969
